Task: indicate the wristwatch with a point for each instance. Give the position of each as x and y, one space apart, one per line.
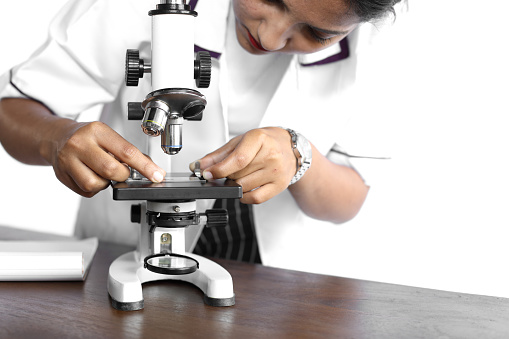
303 153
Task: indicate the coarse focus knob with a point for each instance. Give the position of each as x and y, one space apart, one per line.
134 67
202 69
217 217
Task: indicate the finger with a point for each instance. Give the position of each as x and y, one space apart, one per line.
252 181
260 194
86 179
261 178
129 154
105 165
216 156
69 182
254 167
239 158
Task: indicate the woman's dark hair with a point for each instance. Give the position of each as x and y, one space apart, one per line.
368 10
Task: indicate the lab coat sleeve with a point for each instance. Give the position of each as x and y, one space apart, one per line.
82 62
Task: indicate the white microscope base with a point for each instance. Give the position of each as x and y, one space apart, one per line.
127 274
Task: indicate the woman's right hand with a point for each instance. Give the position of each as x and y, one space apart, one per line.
86 156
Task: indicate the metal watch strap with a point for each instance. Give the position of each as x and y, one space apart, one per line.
298 157
303 161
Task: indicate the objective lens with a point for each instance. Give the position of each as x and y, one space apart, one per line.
171 140
155 118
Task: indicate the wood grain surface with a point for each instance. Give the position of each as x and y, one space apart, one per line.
270 303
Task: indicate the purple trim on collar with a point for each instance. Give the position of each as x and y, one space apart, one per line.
343 54
213 54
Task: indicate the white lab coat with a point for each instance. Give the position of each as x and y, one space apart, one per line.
82 65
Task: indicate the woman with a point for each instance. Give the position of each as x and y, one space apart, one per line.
276 63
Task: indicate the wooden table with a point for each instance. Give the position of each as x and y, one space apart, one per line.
270 303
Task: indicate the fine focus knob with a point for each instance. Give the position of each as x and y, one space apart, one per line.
202 69
217 217
134 67
136 213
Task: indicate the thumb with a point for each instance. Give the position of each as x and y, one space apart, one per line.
215 157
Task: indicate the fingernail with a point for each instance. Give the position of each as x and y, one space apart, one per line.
158 177
207 175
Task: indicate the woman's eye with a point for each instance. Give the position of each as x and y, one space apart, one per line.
276 2
319 36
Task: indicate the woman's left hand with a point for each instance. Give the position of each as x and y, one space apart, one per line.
261 161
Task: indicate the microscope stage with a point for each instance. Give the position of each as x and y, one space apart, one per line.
176 186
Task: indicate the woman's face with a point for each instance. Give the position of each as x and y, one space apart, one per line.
291 26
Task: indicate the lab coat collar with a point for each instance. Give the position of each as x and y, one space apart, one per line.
328 55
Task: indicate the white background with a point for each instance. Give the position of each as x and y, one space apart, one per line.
31 196
438 218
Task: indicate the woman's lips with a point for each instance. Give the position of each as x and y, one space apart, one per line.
255 43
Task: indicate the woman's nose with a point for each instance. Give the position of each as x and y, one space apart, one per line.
275 32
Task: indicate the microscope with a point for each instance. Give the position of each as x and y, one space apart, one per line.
169 207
